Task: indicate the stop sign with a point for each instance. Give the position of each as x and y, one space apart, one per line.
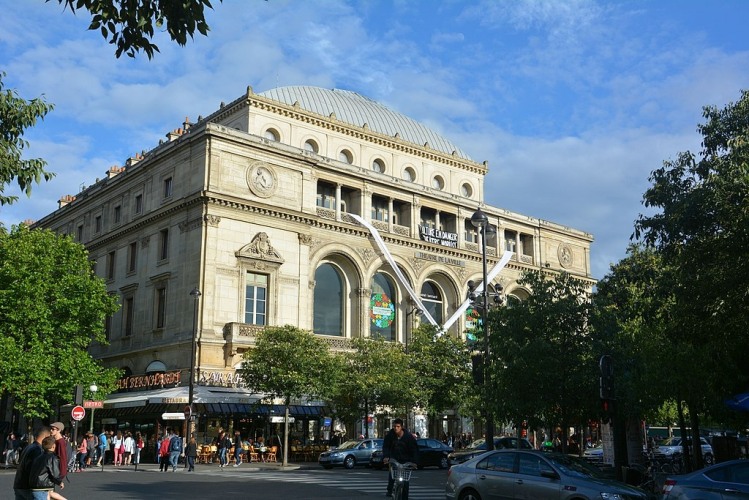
78 413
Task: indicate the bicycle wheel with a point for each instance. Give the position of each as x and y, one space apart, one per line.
667 468
398 491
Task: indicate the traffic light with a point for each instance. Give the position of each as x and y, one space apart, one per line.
78 399
606 380
606 411
477 368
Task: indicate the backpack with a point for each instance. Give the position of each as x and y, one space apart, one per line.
175 444
102 440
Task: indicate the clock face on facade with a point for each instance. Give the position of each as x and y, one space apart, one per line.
261 179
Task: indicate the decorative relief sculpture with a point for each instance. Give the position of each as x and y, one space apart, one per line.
564 252
262 179
260 248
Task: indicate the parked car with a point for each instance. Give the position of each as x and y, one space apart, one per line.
594 455
350 454
672 446
431 453
479 446
725 480
533 474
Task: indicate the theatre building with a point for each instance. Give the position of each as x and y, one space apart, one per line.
300 205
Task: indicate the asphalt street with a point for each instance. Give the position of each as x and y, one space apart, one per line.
247 481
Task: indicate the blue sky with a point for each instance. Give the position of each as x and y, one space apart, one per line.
572 102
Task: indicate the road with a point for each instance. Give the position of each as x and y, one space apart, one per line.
210 482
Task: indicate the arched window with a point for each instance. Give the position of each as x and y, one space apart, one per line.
382 308
311 146
272 135
431 297
329 301
345 156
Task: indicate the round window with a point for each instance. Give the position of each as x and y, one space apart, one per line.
408 174
438 183
466 190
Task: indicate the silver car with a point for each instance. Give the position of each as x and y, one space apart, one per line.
536 475
350 454
672 447
725 480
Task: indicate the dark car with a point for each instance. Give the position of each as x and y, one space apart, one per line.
479 446
350 454
725 480
432 453
535 475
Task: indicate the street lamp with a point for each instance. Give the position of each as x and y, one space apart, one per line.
195 293
480 221
93 390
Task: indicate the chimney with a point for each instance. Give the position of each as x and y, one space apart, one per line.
65 200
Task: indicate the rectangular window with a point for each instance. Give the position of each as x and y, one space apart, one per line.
132 256
167 187
108 327
110 265
98 223
510 240
80 233
128 316
160 306
325 196
163 244
139 204
117 214
256 301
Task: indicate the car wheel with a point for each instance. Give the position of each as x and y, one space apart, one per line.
349 462
709 459
469 495
327 467
444 463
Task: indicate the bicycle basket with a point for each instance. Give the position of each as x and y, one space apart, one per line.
400 473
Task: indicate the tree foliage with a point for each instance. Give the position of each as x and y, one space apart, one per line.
130 25
442 365
17 115
288 363
52 306
543 368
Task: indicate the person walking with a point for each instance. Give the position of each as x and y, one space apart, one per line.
61 446
164 453
237 449
129 445
21 485
399 444
11 449
191 453
118 448
102 447
82 453
175 450
223 446
139 445
46 472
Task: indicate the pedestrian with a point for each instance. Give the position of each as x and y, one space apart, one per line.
103 444
21 486
129 446
61 446
11 449
46 472
175 450
82 453
400 445
222 448
237 449
92 442
191 453
139 445
164 453
118 447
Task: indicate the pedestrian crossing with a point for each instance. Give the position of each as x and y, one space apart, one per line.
349 481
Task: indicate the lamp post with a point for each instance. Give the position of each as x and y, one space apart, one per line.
480 221
195 293
93 390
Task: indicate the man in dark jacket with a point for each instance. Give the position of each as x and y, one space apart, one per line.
45 471
21 485
400 445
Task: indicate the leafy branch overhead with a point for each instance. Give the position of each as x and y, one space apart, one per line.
131 25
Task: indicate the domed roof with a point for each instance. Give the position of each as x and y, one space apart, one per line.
357 110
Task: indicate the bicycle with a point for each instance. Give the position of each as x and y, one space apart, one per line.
401 474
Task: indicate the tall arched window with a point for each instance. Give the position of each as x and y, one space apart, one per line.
382 308
431 297
329 301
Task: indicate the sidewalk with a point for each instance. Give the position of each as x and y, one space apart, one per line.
245 467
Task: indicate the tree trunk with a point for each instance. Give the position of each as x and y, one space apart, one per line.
285 461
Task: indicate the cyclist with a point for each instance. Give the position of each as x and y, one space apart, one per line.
400 445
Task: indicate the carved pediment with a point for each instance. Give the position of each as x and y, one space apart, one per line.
260 248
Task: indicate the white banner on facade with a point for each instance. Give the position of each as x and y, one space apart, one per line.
389 257
479 289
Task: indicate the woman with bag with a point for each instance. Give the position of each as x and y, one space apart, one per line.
118 447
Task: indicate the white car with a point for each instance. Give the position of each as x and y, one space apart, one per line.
594 455
672 446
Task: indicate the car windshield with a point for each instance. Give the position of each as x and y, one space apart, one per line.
348 445
479 443
672 441
573 466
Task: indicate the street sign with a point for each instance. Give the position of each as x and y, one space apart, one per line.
93 404
78 413
188 412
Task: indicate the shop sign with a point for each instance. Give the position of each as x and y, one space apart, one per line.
440 258
279 420
433 235
220 379
150 381
172 416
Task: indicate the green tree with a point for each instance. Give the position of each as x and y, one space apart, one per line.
130 25
375 374
542 365
288 363
443 370
17 115
701 204
52 307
